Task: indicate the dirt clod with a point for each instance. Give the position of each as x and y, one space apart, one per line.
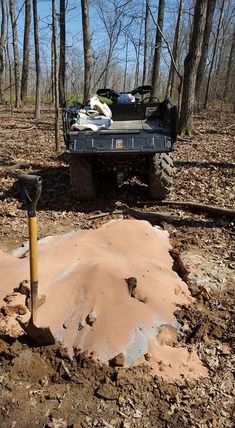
131 284
24 288
117 361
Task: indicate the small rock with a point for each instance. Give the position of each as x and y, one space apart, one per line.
91 318
10 298
118 360
24 288
121 401
147 356
81 325
137 414
107 391
131 284
20 309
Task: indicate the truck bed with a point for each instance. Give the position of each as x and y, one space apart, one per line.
141 124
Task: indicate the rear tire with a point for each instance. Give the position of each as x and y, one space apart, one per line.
82 177
160 176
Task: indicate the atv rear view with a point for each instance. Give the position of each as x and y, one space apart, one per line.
135 136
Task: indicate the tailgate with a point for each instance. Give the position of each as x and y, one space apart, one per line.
117 142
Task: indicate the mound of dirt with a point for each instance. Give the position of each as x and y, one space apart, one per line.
110 292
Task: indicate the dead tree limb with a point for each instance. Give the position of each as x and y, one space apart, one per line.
230 212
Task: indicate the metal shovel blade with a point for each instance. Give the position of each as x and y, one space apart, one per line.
40 335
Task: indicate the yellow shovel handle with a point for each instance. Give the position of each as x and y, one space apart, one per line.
33 244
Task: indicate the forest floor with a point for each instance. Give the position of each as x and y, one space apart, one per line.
41 386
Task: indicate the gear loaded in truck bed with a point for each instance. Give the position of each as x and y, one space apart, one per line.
138 141
136 128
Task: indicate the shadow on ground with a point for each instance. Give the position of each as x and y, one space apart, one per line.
57 195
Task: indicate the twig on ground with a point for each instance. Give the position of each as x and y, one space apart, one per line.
194 205
104 214
230 126
159 216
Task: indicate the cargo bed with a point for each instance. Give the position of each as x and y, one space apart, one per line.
136 128
138 143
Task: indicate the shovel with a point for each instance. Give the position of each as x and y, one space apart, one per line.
30 189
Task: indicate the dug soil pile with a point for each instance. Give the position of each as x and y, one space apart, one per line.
110 292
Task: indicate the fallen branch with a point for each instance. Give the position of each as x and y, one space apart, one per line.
17 129
13 141
230 126
194 205
104 214
157 216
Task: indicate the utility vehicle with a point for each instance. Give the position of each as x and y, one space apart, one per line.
139 143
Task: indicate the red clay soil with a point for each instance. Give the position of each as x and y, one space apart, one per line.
105 299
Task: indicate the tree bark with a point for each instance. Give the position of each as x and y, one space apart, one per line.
62 67
8 59
87 50
2 45
16 54
190 68
213 55
52 71
146 26
55 68
137 68
25 66
37 112
157 51
231 67
171 78
126 64
205 45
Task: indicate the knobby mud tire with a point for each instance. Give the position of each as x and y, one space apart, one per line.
82 177
160 176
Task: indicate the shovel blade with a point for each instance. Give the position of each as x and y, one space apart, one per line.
40 335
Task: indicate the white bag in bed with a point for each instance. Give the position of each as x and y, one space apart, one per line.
102 108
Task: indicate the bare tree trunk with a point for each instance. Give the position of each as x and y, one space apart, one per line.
190 68
137 68
25 66
52 72
87 50
126 64
157 52
8 59
146 25
171 78
205 45
109 57
62 55
2 45
213 55
16 54
231 67
56 85
37 112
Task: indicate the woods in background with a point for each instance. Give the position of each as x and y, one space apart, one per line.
185 48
